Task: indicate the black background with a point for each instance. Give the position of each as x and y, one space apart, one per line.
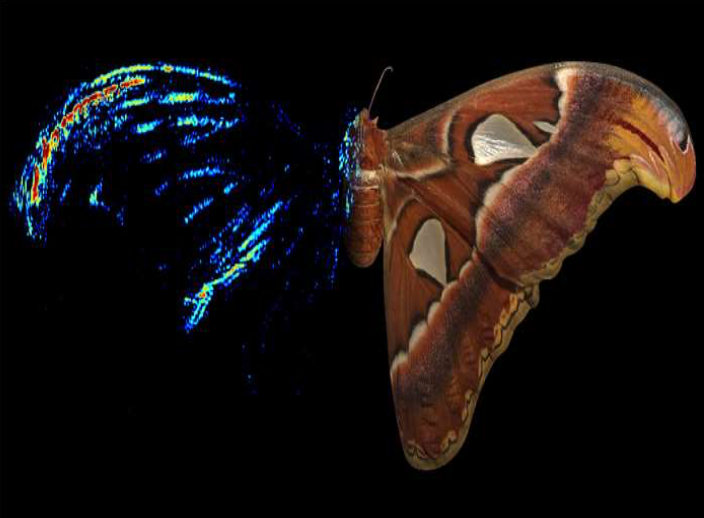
599 391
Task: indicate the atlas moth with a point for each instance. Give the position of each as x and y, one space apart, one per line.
478 200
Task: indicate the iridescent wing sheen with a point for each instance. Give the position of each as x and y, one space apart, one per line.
484 197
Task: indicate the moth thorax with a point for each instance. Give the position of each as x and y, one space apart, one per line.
365 230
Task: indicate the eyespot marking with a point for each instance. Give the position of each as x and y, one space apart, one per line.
498 138
428 253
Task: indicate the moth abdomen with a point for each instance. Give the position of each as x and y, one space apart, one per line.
361 153
365 231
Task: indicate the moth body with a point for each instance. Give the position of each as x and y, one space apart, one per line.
364 232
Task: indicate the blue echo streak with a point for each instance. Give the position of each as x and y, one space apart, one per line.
201 172
246 189
249 253
198 208
147 126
